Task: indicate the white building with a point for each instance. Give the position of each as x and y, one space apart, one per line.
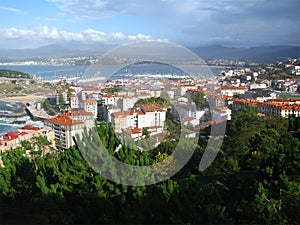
74 102
126 102
109 109
231 91
62 96
190 121
90 105
258 86
68 125
110 99
223 113
151 116
183 110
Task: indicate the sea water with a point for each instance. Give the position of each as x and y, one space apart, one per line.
8 123
49 72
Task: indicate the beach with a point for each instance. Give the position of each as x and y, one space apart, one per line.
24 98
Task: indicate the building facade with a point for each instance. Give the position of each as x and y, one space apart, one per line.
68 125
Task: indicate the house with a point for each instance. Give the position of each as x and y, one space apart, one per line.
188 133
133 132
12 140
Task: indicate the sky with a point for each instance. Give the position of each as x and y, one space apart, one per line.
237 23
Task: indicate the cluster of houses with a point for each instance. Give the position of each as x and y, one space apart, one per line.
86 104
12 140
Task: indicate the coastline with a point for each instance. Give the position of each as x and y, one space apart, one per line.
23 98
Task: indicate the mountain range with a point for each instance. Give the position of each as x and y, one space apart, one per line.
261 54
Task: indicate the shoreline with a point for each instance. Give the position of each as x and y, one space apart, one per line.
23 98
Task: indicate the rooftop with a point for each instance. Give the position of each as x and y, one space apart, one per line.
151 107
90 101
64 119
29 127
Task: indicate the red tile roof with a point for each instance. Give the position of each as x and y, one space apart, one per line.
90 101
151 107
10 136
233 88
133 130
65 120
126 97
61 90
137 111
29 127
201 128
79 113
188 119
110 96
187 131
121 114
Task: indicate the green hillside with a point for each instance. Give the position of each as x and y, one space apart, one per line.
13 74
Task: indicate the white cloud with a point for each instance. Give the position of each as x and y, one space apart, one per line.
9 9
42 33
202 20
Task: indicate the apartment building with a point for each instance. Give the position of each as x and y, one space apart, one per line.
110 99
281 107
74 102
126 102
62 96
90 105
144 116
69 125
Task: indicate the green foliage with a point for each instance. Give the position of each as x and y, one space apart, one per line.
113 90
163 101
253 180
47 105
13 74
61 100
198 98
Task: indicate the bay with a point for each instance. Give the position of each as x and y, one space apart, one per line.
53 72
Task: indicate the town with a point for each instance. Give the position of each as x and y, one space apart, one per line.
141 108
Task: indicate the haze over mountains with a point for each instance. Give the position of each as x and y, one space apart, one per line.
260 54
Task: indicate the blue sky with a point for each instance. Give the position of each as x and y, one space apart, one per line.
26 24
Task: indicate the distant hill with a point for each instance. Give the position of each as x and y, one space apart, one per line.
261 54
13 74
70 49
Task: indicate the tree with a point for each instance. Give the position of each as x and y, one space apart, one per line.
146 132
198 98
61 100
